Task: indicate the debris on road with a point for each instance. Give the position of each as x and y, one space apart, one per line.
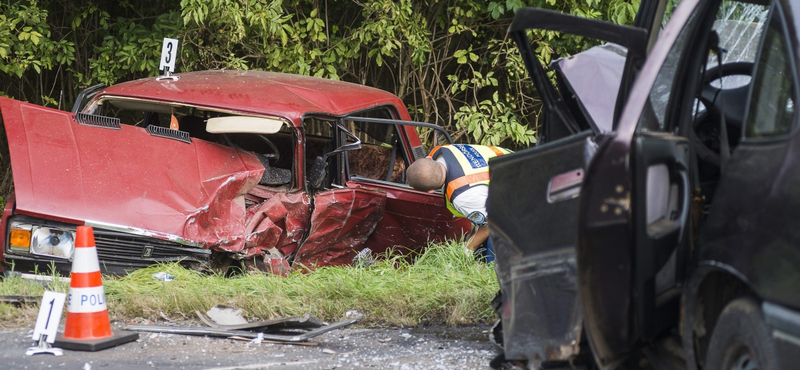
285 330
273 325
223 315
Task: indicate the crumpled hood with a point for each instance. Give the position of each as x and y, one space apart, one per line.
127 177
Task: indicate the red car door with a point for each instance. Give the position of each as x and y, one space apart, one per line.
411 218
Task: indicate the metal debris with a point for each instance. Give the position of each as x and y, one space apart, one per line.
281 332
272 325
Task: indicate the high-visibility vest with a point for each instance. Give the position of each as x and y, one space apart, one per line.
467 166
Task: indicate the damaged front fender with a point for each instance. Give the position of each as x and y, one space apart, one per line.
126 176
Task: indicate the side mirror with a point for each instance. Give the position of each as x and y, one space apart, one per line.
355 144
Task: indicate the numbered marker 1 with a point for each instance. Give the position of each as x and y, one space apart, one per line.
169 52
49 316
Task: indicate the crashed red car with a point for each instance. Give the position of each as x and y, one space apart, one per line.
216 169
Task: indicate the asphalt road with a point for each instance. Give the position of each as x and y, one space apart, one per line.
402 348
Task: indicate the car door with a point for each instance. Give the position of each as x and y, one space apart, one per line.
362 202
411 218
635 230
534 193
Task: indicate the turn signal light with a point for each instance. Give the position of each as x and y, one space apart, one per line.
20 239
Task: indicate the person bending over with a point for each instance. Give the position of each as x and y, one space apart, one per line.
462 172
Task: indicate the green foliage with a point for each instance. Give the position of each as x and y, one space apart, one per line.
450 61
26 43
130 47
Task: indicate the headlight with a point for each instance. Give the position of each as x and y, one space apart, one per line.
52 242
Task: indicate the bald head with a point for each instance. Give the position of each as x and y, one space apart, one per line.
425 174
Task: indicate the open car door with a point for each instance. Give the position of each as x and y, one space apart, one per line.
534 193
644 189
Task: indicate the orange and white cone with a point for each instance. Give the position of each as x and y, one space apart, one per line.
88 327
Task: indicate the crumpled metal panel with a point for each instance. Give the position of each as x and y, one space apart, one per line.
279 222
220 222
126 177
412 219
341 222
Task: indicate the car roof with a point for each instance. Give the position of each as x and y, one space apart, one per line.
257 92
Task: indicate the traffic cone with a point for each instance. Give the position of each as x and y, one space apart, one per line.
88 327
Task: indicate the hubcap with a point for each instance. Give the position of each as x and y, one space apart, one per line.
740 357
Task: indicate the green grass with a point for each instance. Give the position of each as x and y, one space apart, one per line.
443 286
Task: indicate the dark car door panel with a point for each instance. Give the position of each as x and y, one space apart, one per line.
532 208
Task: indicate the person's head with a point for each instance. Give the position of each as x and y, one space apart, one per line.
425 174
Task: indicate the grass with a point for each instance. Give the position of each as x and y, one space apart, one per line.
443 286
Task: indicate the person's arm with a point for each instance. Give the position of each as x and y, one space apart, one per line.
480 236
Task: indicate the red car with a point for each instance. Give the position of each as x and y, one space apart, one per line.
216 168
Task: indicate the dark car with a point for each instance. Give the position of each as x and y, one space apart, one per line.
667 236
215 168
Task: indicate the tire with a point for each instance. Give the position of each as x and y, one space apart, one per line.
741 340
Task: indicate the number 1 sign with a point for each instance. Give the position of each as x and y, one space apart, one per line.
47 323
49 315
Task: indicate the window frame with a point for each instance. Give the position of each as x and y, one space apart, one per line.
777 15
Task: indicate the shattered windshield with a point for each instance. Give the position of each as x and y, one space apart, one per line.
739 27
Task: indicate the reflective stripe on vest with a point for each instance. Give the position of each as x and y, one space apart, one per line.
467 166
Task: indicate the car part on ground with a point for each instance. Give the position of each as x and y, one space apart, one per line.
283 331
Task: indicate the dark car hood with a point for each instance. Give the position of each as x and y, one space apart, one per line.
127 178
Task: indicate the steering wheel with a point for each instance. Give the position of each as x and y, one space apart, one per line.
718 102
275 155
715 98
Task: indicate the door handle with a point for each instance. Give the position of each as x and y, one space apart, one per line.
565 186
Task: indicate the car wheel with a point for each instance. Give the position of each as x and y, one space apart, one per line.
741 340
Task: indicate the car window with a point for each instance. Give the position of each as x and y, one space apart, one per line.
772 101
381 156
654 113
739 27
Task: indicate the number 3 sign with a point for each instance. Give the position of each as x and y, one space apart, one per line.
169 52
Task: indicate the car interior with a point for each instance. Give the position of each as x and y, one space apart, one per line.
274 150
